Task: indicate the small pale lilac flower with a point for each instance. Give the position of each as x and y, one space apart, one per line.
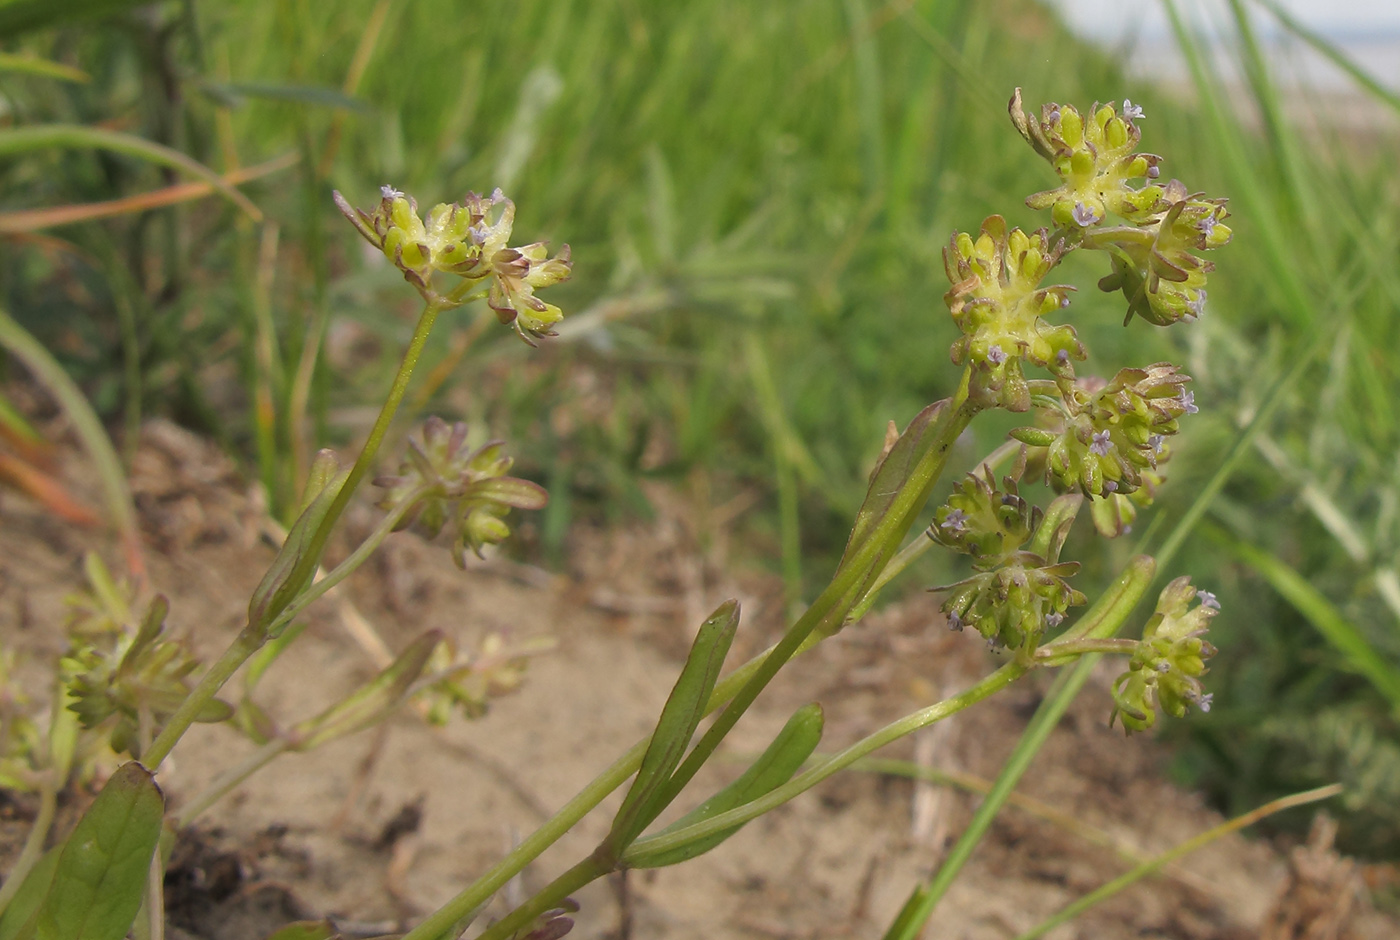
1109 486
1206 225
389 192
955 520
1132 111
1153 172
1197 306
1101 443
1207 599
1158 442
1084 216
1054 620
1053 117
1062 357
955 623
1162 666
1203 701
996 355
1189 400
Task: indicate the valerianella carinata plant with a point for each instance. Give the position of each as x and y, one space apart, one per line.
1101 440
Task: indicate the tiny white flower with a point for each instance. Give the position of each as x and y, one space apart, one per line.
1101 443
1207 599
996 355
1084 216
1054 620
1157 442
389 192
1131 110
1189 400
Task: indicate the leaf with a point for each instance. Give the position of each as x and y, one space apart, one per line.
79 137
774 767
101 873
679 718
45 68
373 702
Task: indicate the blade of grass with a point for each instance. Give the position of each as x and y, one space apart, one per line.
31 65
16 140
33 220
1340 633
89 429
1186 848
1332 54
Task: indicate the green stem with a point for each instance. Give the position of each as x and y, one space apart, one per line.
748 678
251 638
847 589
645 848
585 872
231 778
33 843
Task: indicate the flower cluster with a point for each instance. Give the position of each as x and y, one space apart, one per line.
139 678
443 481
1154 267
469 681
1165 668
1015 594
1103 439
998 304
1096 161
468 239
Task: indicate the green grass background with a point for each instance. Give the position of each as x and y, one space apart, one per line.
757 195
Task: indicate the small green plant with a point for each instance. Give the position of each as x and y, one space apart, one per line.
1088 440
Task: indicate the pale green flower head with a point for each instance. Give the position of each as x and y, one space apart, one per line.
998 304
1095 158
1165 670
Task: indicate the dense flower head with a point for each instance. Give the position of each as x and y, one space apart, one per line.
471 240
998 304
983 521
1155 268
1096 160
141 679
1109 439
447 482
1164 671
1014 604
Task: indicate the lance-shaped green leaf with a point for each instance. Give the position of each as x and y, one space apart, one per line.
276 590
774 767
307 930
101 873
676 726
373 702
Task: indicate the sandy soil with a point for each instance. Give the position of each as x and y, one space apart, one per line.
378 829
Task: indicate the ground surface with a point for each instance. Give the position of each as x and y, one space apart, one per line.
376 830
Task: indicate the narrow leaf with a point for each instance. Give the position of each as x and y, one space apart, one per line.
45 68
774 767
233 93
25 904
307 930
679 718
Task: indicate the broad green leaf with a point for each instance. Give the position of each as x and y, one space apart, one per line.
101 873
774 767
679 718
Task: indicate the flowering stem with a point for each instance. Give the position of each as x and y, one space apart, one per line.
852 585
1080 647
251 638
585 872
